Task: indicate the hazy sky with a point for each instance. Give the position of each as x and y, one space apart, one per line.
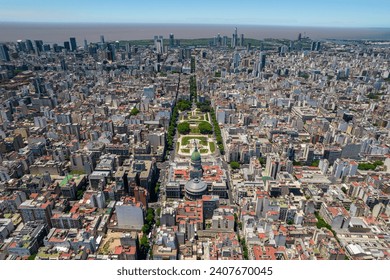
334 13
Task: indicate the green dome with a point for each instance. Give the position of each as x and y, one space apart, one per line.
195 155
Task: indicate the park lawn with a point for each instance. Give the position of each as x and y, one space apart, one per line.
212 147
186 140
204 151
194 130
185 150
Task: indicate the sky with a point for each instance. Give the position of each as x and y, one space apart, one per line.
316 13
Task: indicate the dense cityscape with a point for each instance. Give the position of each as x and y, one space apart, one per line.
221 149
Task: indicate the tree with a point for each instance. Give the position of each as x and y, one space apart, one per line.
134 111
144 240
244 249
217 131
144 247
145 228
204 106
234 165
32 257
369 166
205 128
192 64
184 105
157 188
193 93
184 128
149 218
262 160
80 194
315 163
150 211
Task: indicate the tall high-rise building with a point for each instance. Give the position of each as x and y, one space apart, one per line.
4 52
262 57
291 47
236 59
39 46
219 40
224 41
272 167
102 39
248 47
29 45
171 40
73 44
112 51
242 40
234 38
22 46
67 45
313 46
46 47
56 48
159 44
318 46
64 67
344 167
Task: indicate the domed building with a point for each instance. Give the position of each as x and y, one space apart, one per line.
196 170
193 180
195 187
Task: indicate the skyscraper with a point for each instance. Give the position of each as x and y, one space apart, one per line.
262 57
4 52
112 50
159 44
234 38
272 167
73 44
236 59
39 46
313 46
64 67
318 46
224 41
22 46
67 45
102 39
171 40
30 47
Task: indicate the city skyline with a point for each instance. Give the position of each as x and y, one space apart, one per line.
237 131
233 149
281 13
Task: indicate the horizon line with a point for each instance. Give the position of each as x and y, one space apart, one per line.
186 23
